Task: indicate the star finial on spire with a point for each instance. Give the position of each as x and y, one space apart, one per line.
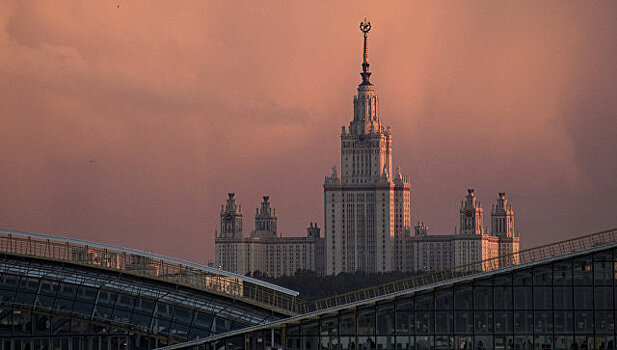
365 27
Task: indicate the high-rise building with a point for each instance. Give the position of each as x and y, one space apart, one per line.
367 209
265 250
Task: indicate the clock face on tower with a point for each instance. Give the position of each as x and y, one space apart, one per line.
469 213
228 217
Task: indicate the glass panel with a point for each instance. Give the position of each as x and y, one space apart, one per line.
483 298
9 282
523 298
42 324
562 272
443 322
203 320
463 342
543 275
463 322
405 317
405 343
522 278
106 298
385 319
347 343
583 271
22 322
444 342
164 311
179 331
605 323
564 342
365 342
366 321
183 315
483 342
347 324
221 325
48 287
523 322
563 322
585 341
443 300
543 298
605 342
122 315
503 322
329 326
79 327
87 294
45 302
562 298
103 312
25 299
543 342
60 325
310 335
29 284
125 302
425 322
524 342
483 322
583 321
603 297
7 296
405 322
382 343
425 302
583 298
84 309
463 298
603 268
161 326
503 298
63 306
424 343
142 321
504 280
543 322
144 306
504 342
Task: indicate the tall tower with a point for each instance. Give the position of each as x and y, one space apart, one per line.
229 255
471 215
231 219
502 226
367 210
265 220
502 218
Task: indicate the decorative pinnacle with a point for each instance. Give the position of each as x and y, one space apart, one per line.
365 27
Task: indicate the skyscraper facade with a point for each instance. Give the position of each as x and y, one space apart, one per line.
367 209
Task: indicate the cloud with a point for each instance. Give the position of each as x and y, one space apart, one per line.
129 125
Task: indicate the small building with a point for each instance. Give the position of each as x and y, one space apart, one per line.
265 250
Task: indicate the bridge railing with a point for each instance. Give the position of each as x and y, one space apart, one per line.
521 257
149 265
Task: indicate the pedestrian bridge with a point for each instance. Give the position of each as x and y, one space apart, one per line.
58 292
558 296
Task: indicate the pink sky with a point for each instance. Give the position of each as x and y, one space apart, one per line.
129 125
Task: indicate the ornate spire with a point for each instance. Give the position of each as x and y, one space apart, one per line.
365 27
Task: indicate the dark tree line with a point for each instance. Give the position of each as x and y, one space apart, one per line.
313 287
